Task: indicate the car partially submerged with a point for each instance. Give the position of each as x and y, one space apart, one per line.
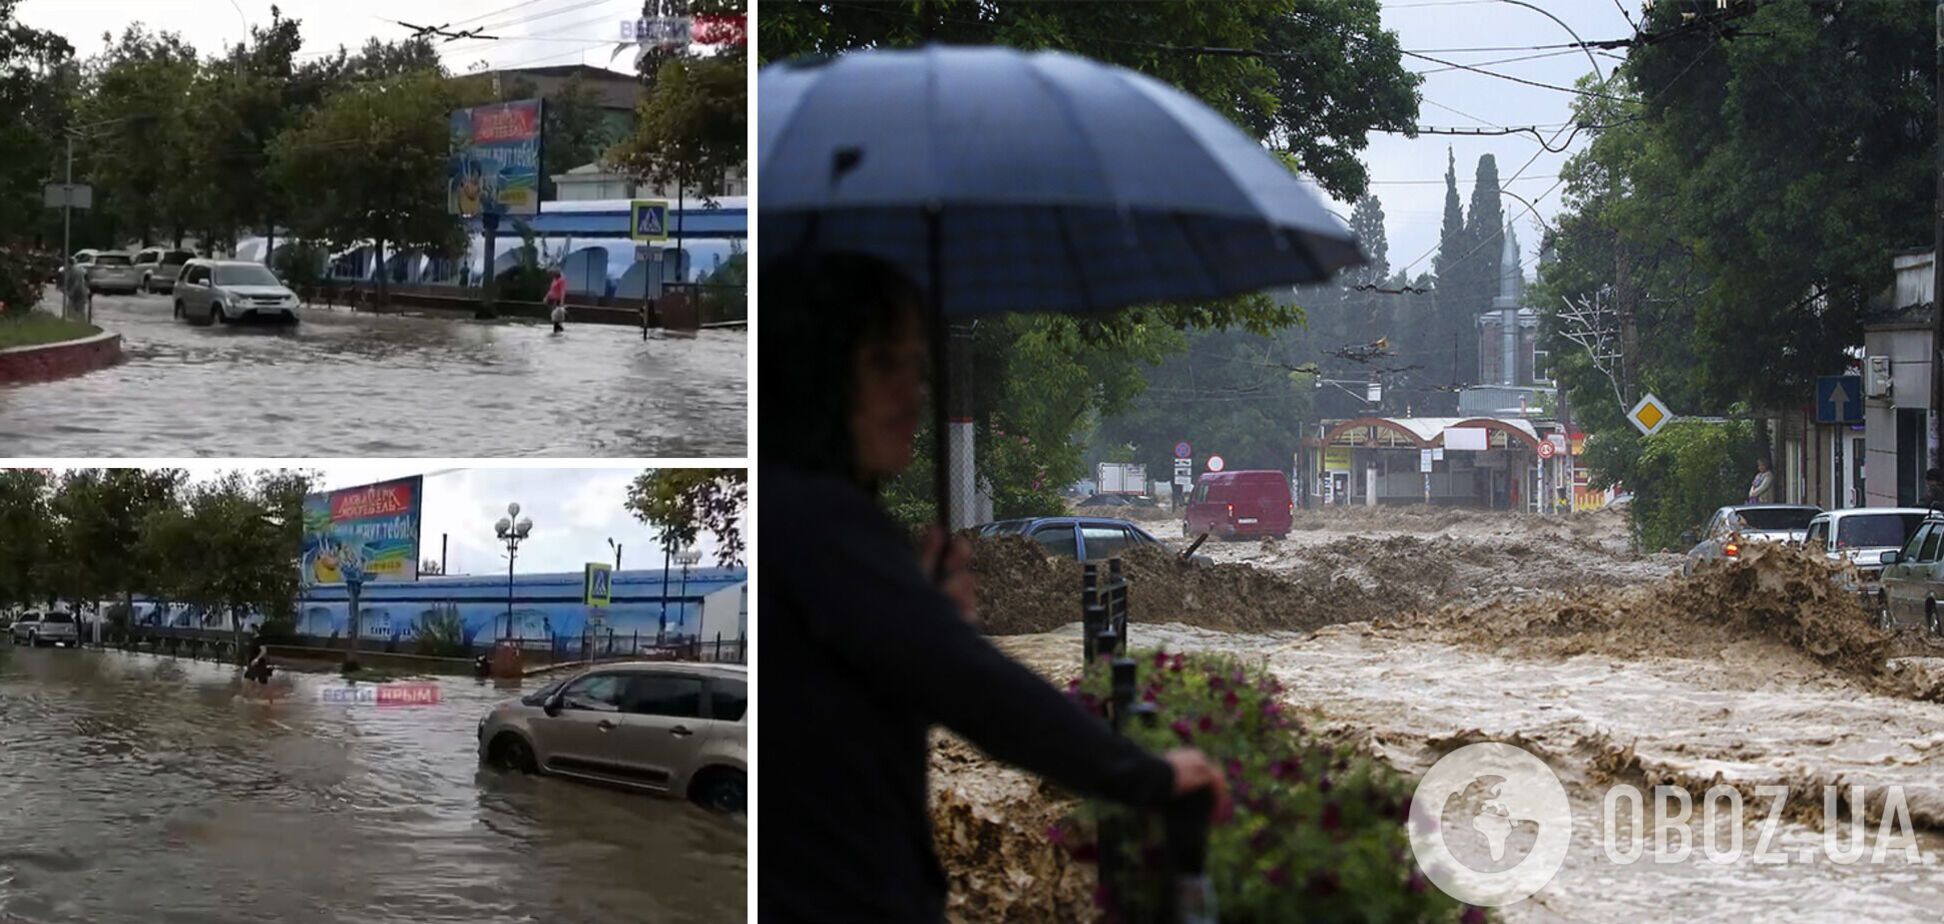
1734 528
1083 538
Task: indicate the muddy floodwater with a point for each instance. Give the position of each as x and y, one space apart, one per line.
343 384
142 788
1406 634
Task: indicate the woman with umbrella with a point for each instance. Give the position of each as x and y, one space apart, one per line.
871 651
1006 182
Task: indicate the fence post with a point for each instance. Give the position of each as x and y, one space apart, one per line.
1187 853
1117 601
718 651
1091 613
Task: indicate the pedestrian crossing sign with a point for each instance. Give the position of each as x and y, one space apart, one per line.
1649 415
648 219
599 583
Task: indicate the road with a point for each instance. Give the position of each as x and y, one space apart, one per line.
343 384
140 788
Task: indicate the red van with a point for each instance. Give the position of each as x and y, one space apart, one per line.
1236 504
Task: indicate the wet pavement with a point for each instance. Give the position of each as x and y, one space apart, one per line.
143 788
339 384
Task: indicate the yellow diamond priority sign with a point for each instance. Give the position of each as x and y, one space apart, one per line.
1650 415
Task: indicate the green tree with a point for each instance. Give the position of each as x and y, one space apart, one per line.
26 535
683 502
37 81
100 513
692 122
572 121
1230 393
1454 272
372 161
230 546
136 94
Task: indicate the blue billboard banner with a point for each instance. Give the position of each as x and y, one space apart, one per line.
369 533
495 159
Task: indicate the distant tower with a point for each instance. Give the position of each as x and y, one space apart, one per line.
1507 304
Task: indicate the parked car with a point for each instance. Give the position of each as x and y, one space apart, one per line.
1913 579
1235 505
1083 538
672 728
159 267
38 629
113 271
231 290
1860 536
1733 528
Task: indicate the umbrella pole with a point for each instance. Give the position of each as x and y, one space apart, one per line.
941 457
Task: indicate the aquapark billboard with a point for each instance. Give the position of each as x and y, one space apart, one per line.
495 159
371 529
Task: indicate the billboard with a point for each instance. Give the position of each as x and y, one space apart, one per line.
371 529
495 159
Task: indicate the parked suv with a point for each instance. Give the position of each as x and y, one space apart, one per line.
112 271
1233 505
673 728
37 629
1084 538
230 290
159 267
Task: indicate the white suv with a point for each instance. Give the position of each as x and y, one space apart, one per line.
230 290
39 629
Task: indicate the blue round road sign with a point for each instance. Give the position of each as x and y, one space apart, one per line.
1183 450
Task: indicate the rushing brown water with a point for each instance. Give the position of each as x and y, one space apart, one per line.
343 384
143 788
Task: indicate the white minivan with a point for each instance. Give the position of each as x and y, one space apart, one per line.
231 290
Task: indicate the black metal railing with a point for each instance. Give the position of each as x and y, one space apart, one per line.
1191 899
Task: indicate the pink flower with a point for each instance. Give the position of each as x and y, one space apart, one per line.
1287 767
1233 767
1160 659
1332 817
1149 696
1073 686
1175 665
1214 681
1055 836
1277 877
1323 784
1473 915
1182 730
1230 700
1207 723
1271 708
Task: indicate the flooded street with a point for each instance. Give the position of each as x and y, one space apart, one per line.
141 788
339 384
1407 634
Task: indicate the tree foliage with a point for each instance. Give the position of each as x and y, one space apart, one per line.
37 80
692 123
683 502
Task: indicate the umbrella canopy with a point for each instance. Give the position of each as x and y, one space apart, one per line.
1045 181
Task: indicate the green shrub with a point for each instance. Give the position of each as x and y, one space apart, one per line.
1686 471
440 632
301 265
1318 834
23 273
278 630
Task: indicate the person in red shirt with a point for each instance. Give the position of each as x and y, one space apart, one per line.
557 299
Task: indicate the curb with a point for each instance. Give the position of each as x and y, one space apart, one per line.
49 361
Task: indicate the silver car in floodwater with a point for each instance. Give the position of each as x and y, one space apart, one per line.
1859 536
37 629
1913 579
667 727
221 291
1733 528
113 271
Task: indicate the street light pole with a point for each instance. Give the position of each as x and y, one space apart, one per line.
511 531
688 556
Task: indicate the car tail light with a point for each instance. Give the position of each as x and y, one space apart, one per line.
1231 510
1731 550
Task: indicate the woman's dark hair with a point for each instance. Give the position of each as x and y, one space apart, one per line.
816 312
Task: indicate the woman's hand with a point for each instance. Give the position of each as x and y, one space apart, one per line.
1193 770
955 580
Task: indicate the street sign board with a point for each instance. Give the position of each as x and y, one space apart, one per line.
648 219
72 195
1546 449
1214 463
1424 461
1649 415
1183 450
1184 472
598 584
1839 399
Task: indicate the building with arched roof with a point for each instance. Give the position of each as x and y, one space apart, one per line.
1504 463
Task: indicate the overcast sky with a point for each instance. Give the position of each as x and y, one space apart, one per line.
532 33
574 511
1408 174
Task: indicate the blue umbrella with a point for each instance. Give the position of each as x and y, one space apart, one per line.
1013 181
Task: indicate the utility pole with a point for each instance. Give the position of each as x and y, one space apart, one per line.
1937 257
